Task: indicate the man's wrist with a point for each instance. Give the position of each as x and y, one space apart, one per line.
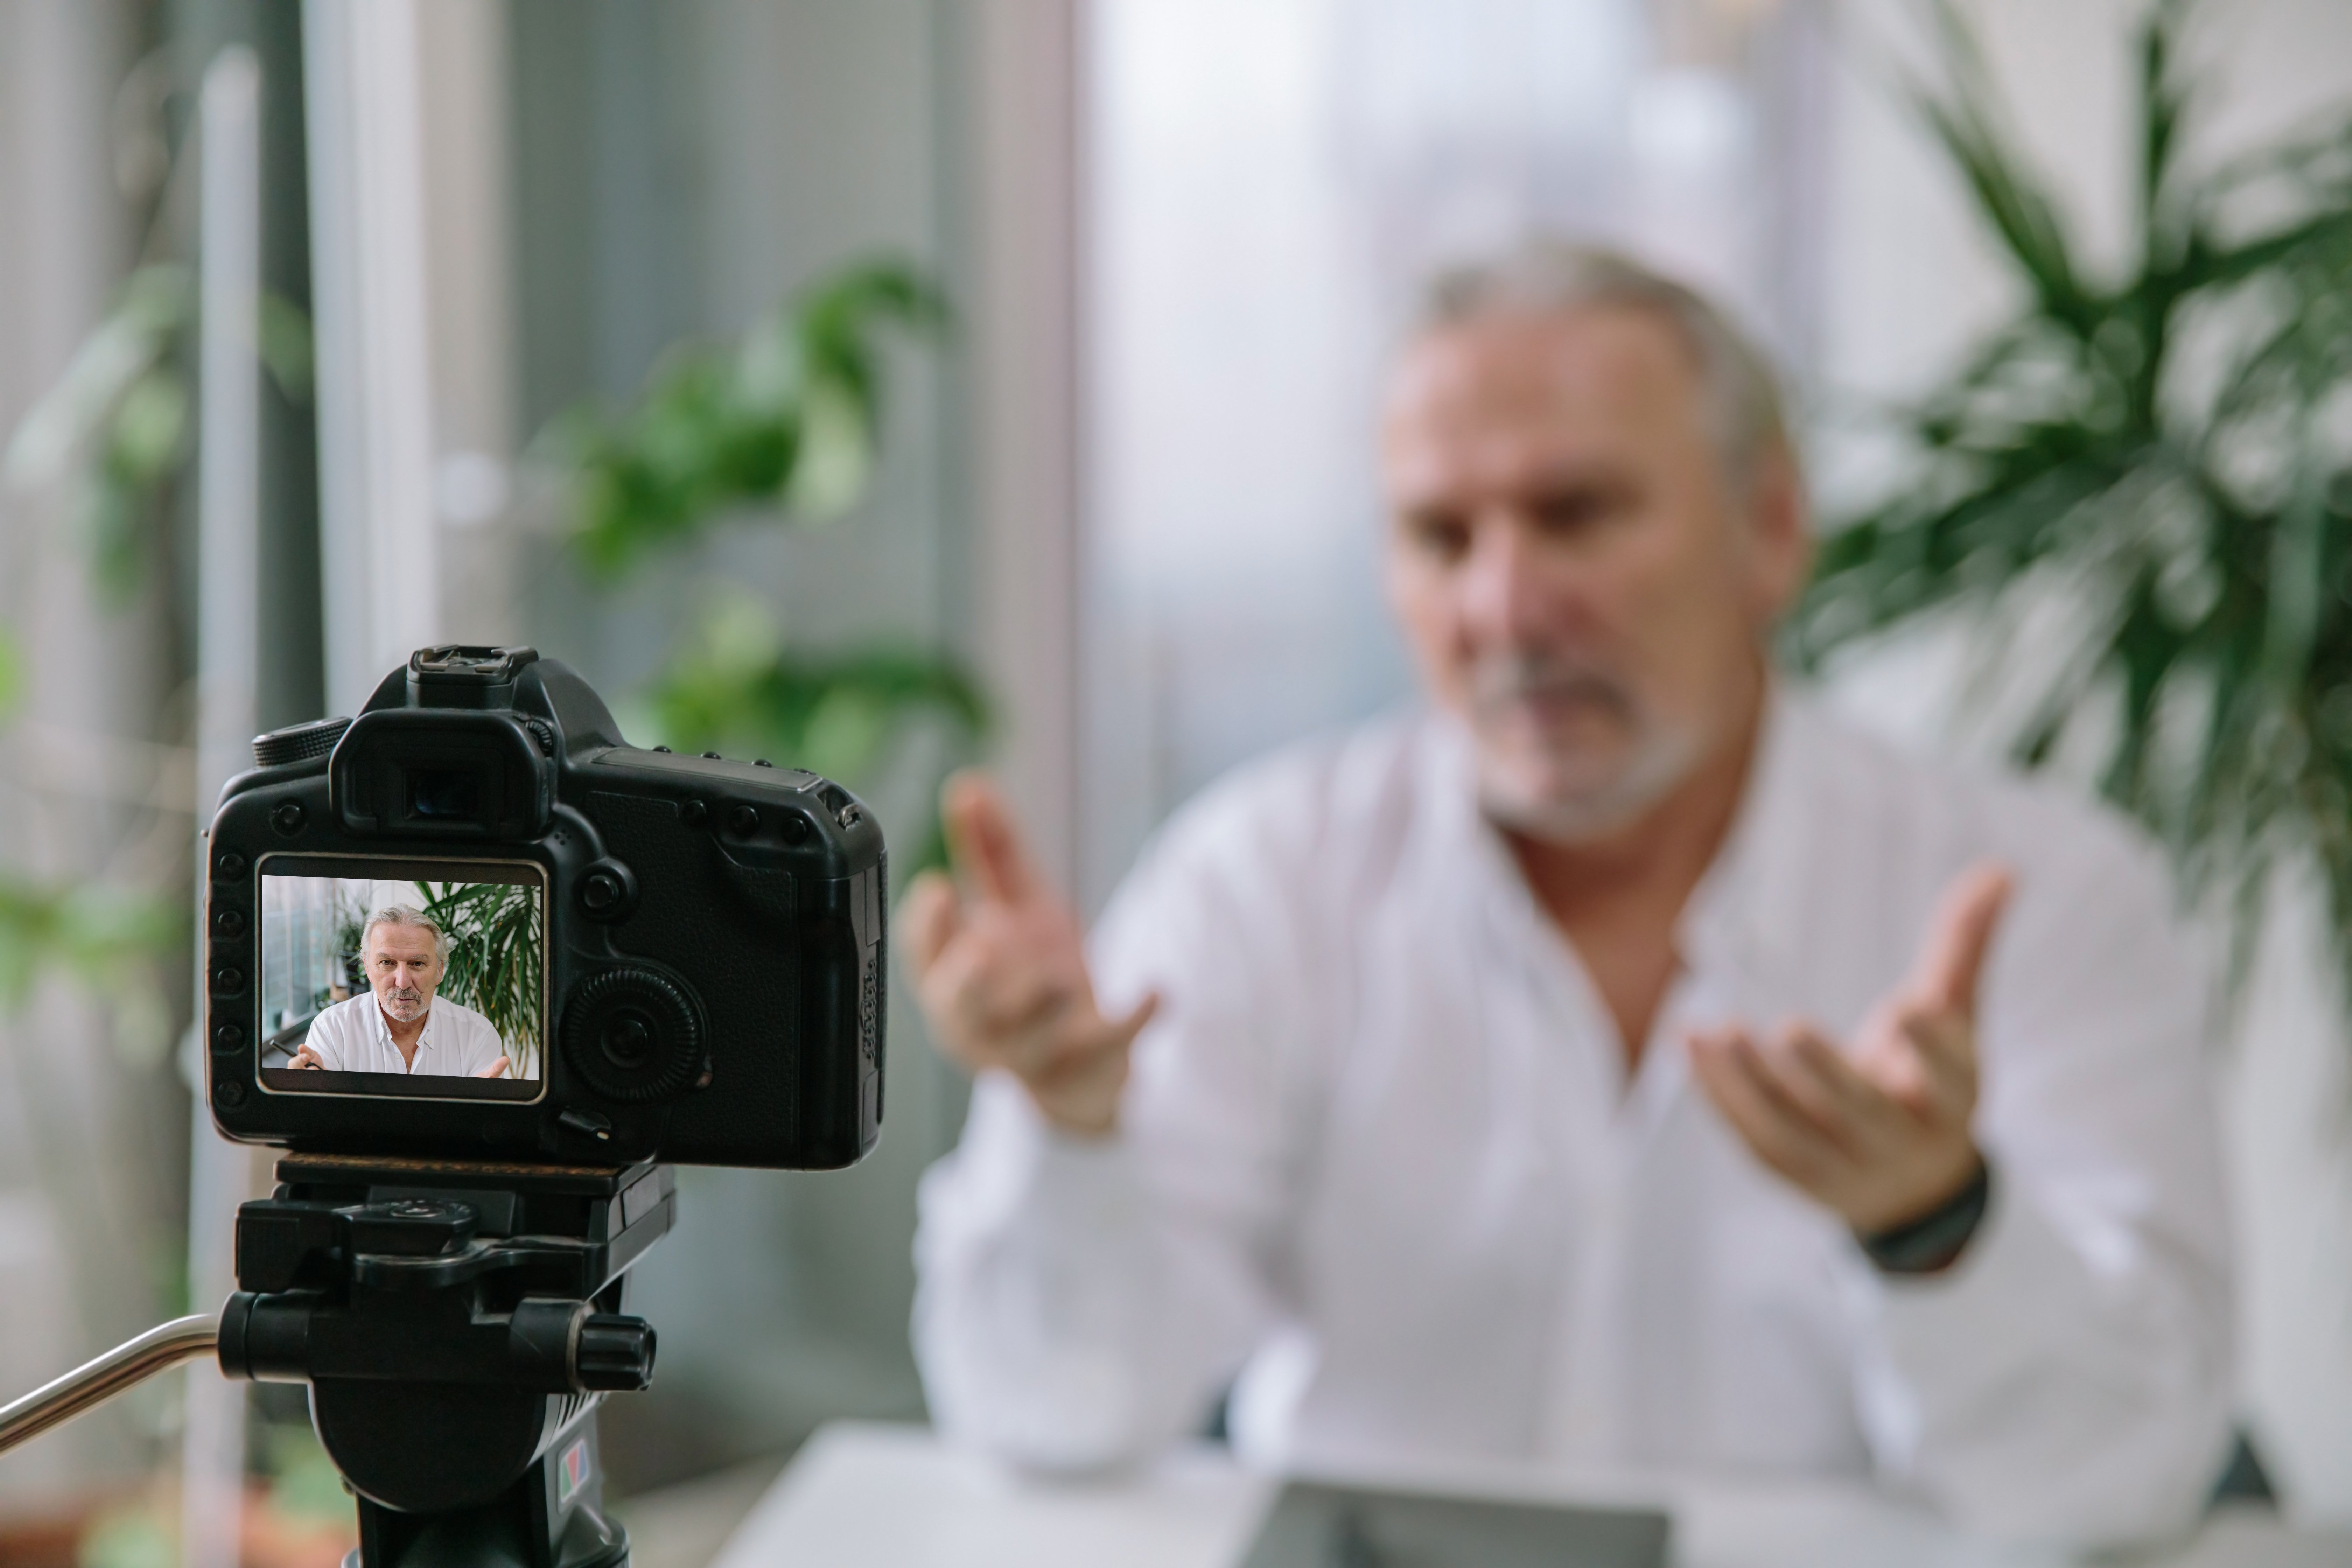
1933 1241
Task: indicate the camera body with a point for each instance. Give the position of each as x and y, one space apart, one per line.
689 963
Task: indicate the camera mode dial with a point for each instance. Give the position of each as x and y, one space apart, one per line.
632 1034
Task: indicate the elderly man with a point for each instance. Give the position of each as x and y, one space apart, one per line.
1620 1064
400 1026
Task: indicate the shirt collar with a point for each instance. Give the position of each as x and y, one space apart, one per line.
383 1025
1738 916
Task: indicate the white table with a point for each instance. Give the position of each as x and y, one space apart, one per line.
897 1497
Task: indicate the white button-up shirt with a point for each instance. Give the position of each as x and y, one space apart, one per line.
1379 1160
352 1037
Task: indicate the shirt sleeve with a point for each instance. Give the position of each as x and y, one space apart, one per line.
2069 1378
478 1043
1080 1302
328 1036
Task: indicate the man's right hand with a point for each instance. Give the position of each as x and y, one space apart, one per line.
306 1058
1000 970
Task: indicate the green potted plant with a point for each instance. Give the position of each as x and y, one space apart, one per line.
780 428
498 959
2132 494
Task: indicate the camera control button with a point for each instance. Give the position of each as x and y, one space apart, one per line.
227 982
229 1092
693 814
588 1122
743 821
228 923
229 867
298 743
608 892
228 1039
712 757
289 818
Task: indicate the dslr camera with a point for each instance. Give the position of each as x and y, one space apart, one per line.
486 972
473 924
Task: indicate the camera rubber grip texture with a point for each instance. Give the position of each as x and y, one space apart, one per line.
634 1035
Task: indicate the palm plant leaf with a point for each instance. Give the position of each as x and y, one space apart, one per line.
497 958
2196 521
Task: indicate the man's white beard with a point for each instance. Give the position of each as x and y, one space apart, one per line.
1661 756
406 1008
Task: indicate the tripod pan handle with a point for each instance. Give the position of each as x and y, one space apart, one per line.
160 1349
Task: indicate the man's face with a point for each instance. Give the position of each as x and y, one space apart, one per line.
1576 577
404 965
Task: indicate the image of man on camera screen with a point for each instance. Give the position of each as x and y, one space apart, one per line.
398 1024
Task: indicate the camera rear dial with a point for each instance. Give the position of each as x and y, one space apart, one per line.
634 1035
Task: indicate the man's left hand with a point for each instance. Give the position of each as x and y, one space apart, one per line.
1884 1136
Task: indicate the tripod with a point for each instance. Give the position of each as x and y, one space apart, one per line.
458 1323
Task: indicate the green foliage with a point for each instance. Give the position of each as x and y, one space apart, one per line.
2156 467
103 937
304 1484
786 420
739 689
497 959
121 422
128 1536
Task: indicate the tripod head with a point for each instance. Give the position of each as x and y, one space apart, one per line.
457 1324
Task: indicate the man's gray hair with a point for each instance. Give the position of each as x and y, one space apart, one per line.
405 915
1542 276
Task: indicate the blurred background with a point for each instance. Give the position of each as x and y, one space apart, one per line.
883 384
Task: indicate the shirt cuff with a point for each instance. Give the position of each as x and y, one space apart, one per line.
2016 1279
1022 1173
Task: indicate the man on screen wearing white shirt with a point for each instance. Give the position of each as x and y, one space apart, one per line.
399 1026
1620 1064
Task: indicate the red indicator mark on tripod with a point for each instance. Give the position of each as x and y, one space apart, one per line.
575 1474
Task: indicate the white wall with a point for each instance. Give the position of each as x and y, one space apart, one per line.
1910 280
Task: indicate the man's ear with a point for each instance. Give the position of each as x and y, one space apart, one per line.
1781 539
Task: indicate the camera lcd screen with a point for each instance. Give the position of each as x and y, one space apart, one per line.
412 978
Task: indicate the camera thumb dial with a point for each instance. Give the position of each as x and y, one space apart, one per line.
632 1034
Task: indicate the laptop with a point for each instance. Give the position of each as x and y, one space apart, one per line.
1318 1526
